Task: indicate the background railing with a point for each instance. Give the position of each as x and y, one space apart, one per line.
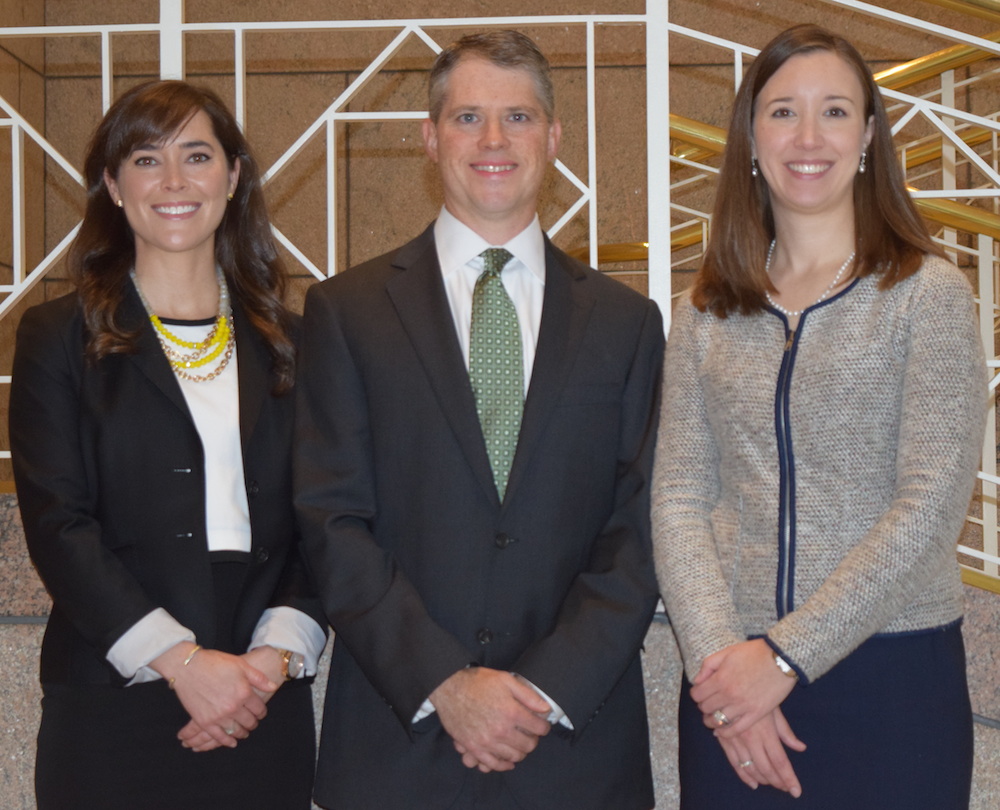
942 105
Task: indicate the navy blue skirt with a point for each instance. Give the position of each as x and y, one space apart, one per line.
889 726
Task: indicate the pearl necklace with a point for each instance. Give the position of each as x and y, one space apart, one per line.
826 293
219 341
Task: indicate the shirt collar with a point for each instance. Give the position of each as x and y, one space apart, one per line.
457 245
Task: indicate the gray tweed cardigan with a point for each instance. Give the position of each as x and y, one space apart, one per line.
813 490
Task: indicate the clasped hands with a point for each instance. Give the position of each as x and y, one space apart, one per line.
742 683
494 718
225 695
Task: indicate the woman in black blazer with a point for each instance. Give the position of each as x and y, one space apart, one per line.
150 423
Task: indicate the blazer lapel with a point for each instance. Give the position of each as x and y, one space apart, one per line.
418 295
565 312
253 362
150 358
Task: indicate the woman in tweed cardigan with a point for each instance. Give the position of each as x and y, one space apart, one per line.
820 433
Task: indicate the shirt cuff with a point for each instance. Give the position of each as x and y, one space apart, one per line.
145 641
556 715
289 629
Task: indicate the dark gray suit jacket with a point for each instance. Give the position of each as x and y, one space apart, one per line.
423 571
110 482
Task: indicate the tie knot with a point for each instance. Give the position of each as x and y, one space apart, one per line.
495 260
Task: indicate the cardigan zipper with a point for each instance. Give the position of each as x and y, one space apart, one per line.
783 434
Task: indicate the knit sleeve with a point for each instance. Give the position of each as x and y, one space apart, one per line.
910 550
686 489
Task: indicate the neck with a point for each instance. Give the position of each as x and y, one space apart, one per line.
185 291
803 244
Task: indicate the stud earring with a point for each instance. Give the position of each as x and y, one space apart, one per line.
862 165
120 203
229 196
754 171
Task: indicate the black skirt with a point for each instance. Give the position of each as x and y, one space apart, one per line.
117 749
889 726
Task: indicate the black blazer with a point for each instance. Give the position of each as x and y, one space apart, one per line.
423 571
110 481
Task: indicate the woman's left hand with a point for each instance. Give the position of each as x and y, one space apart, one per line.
267 660
742 683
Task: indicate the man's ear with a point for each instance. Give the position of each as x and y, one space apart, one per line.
555 135
430 139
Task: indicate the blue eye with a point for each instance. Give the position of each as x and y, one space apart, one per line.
467 118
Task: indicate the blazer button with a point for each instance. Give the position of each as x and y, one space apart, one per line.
253 489
502 540
484 636
262 555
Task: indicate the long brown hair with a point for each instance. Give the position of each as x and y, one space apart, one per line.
890 237
104 250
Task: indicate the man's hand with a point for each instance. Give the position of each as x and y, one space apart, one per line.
493 718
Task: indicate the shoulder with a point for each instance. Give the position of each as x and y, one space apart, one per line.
371 275
605 289
60 317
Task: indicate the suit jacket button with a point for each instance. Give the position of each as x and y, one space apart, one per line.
262 555
253 489
484 636
502 540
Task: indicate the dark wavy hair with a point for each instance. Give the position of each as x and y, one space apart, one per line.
104 250
890 237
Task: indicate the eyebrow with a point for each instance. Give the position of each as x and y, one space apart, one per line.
831 97
150 147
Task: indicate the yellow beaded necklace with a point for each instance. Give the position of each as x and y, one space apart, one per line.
218 345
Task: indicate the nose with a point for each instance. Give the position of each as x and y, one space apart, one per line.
173 175
808 134
493 134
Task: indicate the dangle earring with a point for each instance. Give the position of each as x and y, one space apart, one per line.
754 171
861 165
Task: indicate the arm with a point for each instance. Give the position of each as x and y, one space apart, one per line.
56 486
686 489
376 611
605 613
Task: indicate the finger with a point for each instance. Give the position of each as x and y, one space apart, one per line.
245 718
259 680
785 732
256 706
783 768
736 758
218 733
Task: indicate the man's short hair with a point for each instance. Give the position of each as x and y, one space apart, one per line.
506 49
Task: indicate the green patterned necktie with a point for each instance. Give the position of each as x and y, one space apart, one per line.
496 365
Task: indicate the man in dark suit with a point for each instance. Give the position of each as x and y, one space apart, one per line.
489 604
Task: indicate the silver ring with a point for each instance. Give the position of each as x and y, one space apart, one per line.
720 717
746 764
229 731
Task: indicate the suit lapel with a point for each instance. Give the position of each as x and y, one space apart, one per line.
150 358
253 362
565 312
418 295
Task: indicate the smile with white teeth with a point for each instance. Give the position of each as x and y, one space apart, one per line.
174 210
489 167
809 168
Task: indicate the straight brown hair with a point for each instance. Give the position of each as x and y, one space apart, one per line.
891 239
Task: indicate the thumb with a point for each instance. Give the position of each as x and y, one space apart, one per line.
259 680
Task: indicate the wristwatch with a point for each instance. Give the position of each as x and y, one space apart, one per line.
292 664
